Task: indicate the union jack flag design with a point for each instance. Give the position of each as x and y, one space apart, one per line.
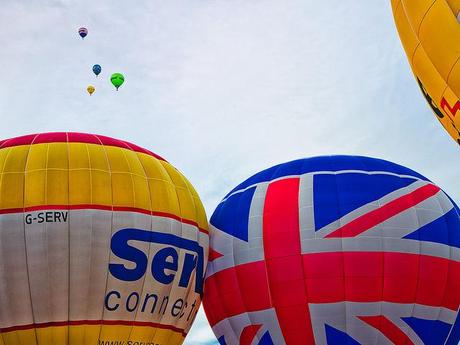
335 250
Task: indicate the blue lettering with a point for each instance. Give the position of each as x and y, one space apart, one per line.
189 267
122 249
160 264
164 259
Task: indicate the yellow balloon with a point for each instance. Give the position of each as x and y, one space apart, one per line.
90 89
101 242
430 33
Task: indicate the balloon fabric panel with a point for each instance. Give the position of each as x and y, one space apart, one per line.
382 266
430 34
63 199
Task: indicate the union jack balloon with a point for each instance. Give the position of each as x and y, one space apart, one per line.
335 250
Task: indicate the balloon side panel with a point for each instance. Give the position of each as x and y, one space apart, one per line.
430 34
65 209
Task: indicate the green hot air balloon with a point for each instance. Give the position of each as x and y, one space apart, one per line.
117 79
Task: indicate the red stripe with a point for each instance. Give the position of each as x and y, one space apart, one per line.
72 137
388 328
104 208
93 323
385 212
336 277
281 236
248 334
223 295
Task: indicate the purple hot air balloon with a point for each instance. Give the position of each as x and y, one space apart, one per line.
83 32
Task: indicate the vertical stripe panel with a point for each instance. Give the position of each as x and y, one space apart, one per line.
284 261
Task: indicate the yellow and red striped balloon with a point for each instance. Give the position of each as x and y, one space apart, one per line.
101 242
430 33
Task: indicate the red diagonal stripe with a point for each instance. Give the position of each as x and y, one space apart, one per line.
388 329
335 277
213 255
385 212
281 237
248 334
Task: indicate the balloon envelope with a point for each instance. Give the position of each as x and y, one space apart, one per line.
430 33
97 69
90 89
335 250
117 79
101 242
83 32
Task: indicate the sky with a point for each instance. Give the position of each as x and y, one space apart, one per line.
222 88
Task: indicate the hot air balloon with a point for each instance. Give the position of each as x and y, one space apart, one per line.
101 242
430 33
117 79
83 32
90 89
97 69
335 250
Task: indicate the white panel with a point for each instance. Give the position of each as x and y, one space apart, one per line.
15 305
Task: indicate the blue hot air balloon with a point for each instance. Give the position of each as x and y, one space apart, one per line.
97 69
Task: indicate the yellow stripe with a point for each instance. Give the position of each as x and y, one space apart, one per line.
90 335
80 173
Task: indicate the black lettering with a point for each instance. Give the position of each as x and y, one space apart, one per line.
183 310
154 305
40 217
191 310
57 217
49 217
430 100
162 302
28 219
65 215
106 300
176 306
128 300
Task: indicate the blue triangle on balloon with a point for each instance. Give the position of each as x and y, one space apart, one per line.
442 230
232 216
335 195
337 337
266 339
221 340
431 332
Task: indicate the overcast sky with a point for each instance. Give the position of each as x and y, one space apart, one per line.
222 88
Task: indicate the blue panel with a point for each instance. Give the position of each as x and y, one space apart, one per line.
232 215
432 332
455 205
454 335
336 337
266 339
443 230
327 163
336 195
221 340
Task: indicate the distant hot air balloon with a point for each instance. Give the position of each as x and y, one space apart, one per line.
101 242
335 250
430 34
83 32
117 80
90 89
97 69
